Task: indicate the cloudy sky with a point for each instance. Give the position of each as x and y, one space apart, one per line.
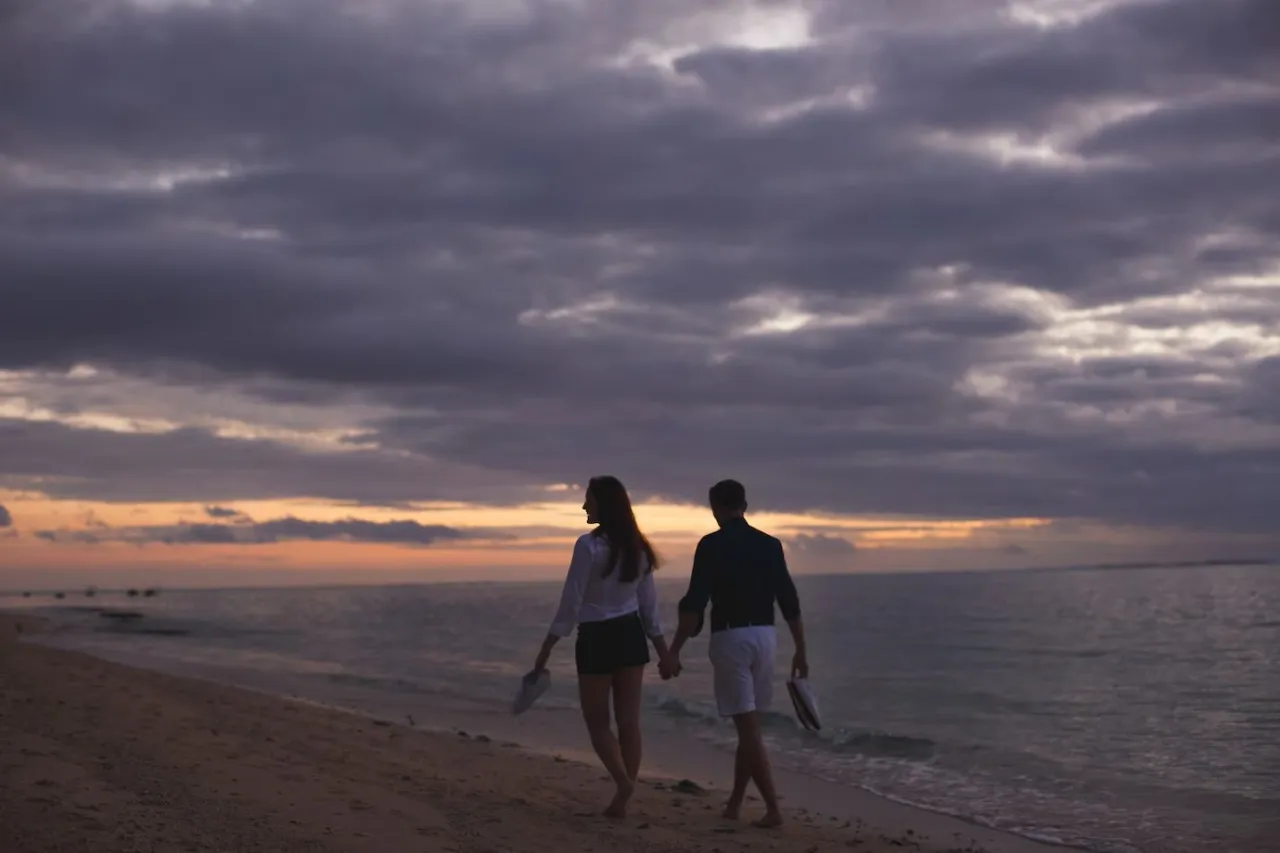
369 288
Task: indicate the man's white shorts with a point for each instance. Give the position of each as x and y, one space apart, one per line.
742 661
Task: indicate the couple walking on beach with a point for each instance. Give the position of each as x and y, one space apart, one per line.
610 597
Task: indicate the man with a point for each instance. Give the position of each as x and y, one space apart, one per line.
741 571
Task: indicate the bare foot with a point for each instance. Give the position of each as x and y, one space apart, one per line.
732 809
772 820
618 808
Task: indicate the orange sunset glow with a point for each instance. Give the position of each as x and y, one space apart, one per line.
530 541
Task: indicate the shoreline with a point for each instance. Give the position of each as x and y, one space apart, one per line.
675 756
92 716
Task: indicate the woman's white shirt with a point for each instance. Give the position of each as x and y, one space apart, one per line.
589 596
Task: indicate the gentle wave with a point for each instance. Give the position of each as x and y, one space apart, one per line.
840 740
886 745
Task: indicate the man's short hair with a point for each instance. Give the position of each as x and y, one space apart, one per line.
728 494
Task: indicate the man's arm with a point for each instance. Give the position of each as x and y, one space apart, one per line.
799 661
789 604
685 628
694 603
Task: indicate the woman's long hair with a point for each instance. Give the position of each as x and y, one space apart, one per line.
618 525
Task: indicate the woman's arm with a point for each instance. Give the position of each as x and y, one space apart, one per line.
544 654
647 598
575 587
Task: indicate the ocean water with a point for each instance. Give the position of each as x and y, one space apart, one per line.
1121 711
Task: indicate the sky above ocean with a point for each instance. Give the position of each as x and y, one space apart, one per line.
368 290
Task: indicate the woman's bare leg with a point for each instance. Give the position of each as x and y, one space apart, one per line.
628 686
593 694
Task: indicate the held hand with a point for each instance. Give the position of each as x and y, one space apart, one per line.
800 665
669 667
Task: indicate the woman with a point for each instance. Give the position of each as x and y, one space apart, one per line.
610 597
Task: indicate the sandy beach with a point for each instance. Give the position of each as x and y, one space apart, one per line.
95 756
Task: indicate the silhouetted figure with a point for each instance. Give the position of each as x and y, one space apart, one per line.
742 573
133 593
610 598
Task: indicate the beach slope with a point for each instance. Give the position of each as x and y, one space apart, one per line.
96 756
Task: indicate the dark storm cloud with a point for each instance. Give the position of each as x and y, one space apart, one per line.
225 512
1261 397
193 465
232 307
356 530
545 259
404 532
603 151
1015 78
864 466
1130 381
1233 127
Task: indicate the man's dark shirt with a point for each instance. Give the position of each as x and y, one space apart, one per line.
742 572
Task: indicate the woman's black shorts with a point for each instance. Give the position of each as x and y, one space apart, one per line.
605 647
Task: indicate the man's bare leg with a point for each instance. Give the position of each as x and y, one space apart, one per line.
756 760
741 778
